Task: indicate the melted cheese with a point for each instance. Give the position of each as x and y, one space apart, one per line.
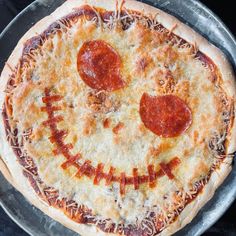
148 61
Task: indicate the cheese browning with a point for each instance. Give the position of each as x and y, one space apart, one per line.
105 127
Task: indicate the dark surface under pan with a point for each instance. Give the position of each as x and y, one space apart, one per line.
191 12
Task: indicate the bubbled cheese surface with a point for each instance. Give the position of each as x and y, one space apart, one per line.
150 64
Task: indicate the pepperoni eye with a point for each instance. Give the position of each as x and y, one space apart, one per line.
166 116
99 66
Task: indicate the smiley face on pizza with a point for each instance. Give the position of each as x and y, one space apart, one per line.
121 124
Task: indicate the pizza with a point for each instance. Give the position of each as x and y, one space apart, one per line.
117 119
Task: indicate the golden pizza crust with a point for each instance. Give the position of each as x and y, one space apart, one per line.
14 174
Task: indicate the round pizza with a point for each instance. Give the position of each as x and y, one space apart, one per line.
117 119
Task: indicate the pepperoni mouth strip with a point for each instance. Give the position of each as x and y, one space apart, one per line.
86 168
119 116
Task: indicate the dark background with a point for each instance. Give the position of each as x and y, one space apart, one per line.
226 226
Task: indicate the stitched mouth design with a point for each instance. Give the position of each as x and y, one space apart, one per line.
86 168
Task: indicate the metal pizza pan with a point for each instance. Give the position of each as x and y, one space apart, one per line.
192 13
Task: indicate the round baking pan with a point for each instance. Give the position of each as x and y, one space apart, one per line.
191 12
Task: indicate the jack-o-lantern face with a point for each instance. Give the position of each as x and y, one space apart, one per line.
114 119
121 118
113 110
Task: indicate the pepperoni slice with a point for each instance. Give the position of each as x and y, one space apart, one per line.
166 116
99 66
